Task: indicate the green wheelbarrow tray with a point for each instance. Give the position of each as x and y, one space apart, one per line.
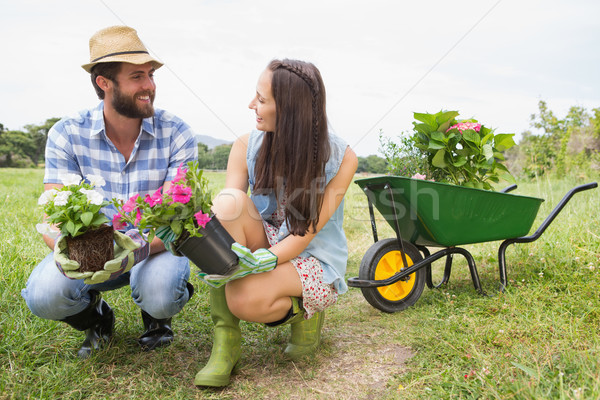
443 215
394 271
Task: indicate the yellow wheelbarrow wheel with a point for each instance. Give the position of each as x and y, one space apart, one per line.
384 260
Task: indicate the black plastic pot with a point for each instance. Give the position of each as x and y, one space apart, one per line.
212 252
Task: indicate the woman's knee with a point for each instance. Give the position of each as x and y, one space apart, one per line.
232 204
245 304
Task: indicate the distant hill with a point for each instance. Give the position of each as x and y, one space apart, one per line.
210 141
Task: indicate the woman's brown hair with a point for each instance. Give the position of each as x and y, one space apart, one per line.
293 157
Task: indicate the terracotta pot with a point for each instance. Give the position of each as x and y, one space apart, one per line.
92 249
212 252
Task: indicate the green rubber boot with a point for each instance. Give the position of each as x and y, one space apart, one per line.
227 340
306 333
306 336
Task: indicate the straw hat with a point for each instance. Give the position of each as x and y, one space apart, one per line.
118 44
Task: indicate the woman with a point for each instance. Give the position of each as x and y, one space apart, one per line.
298 174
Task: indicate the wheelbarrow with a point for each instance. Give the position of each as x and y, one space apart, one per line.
394 271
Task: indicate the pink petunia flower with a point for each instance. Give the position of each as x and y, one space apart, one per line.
117 223
181 172
463 126
418 176
180 194
131 204
155 199
202 218
138 217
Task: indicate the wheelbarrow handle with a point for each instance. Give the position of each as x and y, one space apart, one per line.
555 212
539 231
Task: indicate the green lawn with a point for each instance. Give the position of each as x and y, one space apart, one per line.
538 340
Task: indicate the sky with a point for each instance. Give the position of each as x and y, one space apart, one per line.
381 60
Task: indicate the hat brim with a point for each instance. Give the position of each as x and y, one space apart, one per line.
137 59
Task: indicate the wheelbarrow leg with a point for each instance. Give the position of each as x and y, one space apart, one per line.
445 279
449 252
472 269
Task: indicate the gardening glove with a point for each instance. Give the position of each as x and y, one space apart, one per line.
130 249
262 260
166 234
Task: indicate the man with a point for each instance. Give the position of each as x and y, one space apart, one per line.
136 149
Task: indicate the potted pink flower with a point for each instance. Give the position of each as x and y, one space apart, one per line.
181 217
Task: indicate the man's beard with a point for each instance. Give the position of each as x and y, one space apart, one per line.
127 106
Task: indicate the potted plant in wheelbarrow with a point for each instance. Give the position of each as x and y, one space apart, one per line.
462 152
84 240
181 217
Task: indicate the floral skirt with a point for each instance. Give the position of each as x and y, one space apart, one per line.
316 294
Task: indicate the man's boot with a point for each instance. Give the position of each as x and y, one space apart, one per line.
306 333
158 331
97 320
227 340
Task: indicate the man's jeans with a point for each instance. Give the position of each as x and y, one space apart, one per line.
158 286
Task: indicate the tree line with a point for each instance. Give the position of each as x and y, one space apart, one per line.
25 149
561 146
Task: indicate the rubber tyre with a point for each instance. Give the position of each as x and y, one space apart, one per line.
384 259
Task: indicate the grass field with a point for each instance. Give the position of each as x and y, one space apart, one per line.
538 340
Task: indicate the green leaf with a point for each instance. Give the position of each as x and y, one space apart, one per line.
499 156
494 178
460 161
486 138
471 136
465 152
86 218
439 136
435 145
428 119
177 227
488 153
70 226
438 159
507 177
445 117
99 219
501 167
424 129
503 141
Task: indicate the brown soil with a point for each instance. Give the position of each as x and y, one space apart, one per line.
92 249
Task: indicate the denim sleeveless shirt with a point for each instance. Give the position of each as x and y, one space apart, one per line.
329 246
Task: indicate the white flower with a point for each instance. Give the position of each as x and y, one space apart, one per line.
96 180
46 229
47 196
62 198
70 179
93 196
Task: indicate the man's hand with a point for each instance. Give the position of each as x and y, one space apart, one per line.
130 248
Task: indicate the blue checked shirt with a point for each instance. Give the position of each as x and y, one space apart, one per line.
79 145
